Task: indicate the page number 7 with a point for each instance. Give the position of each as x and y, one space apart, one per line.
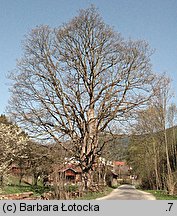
170 206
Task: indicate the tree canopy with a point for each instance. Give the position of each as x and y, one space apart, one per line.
74 80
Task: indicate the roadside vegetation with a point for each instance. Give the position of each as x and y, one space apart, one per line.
162 195
39 190
13 187
153 143
94 195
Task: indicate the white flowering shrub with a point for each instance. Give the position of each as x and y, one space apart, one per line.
13 143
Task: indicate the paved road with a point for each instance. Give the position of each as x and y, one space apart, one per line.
127 192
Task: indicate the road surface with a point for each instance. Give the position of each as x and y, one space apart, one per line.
127 192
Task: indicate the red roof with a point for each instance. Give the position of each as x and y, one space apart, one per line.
75 169
119 163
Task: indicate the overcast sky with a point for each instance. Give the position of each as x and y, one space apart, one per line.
152 20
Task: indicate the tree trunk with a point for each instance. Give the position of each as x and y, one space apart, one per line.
86 179
1 180
21 176
35 178
170 179
158 184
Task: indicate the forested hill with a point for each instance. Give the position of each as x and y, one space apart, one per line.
116 148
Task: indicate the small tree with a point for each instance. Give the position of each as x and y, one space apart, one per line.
40 161
164 96
13 143
154 143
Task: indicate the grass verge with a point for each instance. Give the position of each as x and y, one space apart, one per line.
13 189
95 195
161 195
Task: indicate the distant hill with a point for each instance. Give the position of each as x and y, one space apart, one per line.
117 148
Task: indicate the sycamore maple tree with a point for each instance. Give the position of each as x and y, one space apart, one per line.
73 81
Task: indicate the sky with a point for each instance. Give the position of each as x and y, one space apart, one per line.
154 21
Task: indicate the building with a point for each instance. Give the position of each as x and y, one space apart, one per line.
71 173
122 169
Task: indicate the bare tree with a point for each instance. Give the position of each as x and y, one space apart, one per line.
155 130
73 81
172 123
163 98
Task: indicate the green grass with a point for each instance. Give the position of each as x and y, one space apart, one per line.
13 187
161 195
94 195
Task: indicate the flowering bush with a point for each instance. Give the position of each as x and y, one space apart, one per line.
13 143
